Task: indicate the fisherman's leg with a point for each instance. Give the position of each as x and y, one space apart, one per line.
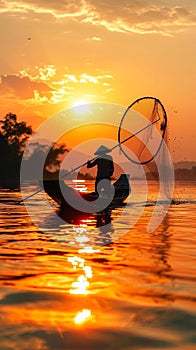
107 187
96 184
104 187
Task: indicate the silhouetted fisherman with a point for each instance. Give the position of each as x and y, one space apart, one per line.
105 168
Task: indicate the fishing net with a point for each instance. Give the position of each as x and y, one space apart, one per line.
142 138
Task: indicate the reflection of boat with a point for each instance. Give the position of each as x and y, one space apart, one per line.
55 189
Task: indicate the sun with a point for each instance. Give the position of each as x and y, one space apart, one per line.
80 102
81 106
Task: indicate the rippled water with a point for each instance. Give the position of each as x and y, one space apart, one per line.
135 292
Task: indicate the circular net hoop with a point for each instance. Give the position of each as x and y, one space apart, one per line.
147 119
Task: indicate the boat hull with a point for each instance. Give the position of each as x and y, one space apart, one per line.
55 189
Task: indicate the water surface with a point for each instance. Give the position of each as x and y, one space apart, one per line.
134 292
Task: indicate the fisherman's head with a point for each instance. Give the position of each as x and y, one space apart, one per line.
102 150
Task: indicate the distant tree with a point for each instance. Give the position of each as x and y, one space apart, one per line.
52 159
15 133
4 156
14 136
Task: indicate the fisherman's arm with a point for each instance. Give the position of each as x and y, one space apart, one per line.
91 164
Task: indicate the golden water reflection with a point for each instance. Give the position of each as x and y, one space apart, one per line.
138 290
81 285
82 316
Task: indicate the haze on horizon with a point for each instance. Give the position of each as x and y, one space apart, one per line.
58 54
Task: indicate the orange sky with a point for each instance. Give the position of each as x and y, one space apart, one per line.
55 54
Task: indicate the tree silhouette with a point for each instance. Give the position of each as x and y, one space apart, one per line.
13 138
39 154
15 133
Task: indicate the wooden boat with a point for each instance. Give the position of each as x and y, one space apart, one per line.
55 189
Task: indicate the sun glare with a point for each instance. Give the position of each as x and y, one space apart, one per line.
81 106
79 103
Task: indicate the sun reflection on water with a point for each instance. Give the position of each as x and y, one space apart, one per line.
88 250
81 285
82 316
79 185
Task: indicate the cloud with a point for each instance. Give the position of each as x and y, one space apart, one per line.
37 85
70 77
60 9
18 87
94 38
86 78
45 73
138 16
60 94
22 87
